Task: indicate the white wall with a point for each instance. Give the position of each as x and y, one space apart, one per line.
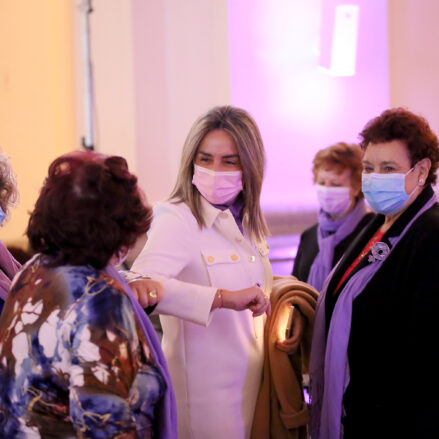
181 70
111 42
414 57
157 66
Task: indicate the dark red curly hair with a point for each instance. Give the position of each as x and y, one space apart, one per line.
89 208
401 124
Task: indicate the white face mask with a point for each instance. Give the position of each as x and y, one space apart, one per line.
334 200
217 187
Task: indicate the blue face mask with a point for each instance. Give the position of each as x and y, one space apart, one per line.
385 193
2 215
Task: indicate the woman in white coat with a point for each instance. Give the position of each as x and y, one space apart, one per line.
207 245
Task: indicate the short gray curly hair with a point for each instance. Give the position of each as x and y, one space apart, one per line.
8 185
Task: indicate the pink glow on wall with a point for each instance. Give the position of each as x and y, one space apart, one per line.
274 61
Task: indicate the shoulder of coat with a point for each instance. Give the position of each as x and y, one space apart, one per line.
180 210
310 231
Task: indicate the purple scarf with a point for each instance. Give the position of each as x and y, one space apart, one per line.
329 368
236 207
327 241
9 267
167 411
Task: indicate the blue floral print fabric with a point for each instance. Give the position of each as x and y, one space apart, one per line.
73 360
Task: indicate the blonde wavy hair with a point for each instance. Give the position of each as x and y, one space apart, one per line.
8 185
244 131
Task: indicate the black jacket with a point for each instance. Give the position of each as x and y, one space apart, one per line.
309 248
393 347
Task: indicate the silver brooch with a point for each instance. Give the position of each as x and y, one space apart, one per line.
379 252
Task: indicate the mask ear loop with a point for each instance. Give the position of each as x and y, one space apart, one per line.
421 181
410 170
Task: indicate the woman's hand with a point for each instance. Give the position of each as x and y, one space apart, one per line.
290 345
148 292
252 298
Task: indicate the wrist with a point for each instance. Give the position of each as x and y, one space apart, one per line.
226 299
219 300
219 297
131 276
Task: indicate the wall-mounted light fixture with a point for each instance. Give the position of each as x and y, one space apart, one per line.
338 42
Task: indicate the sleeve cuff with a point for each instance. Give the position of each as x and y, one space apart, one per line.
187 301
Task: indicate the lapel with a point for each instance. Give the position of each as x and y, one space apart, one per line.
352 253
225 224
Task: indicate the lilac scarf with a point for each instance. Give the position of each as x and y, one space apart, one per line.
9 267
327 241
167 411
329 368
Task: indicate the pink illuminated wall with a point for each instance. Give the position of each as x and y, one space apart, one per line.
274 56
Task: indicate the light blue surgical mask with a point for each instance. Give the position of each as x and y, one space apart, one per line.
385 193
2 215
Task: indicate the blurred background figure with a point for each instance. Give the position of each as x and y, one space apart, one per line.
343 213
208 243
8 197
372 360
78 356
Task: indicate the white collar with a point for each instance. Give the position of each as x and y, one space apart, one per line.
209 212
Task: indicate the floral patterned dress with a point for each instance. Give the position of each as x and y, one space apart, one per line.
73 360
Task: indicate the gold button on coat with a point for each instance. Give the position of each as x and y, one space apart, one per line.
234 257
210 259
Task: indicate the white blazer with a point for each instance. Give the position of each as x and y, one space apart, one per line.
214 358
